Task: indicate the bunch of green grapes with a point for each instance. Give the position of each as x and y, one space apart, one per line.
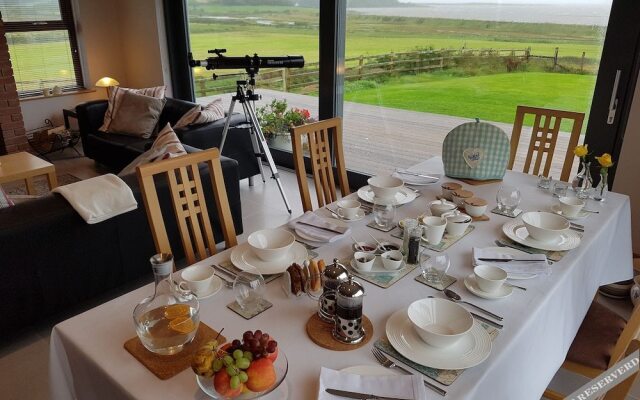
204 358
234 364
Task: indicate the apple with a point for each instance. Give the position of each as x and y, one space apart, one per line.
222 384
262 375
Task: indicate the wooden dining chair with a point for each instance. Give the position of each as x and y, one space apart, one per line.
544 137
602 340
317 135
189 204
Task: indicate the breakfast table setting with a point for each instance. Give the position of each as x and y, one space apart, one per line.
415 286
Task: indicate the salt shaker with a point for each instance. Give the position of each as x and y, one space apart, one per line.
348 317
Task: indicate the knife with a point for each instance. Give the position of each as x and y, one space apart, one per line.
508 260
487 321
417 174
320 227
361 396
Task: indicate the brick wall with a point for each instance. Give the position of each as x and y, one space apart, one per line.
12 133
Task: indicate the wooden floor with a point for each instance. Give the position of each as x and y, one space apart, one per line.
379 139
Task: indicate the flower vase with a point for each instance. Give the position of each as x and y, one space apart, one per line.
602 188
583 182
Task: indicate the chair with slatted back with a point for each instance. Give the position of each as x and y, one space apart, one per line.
189 204
544 137
602 340
317 135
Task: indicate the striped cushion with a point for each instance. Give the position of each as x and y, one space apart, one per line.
115 99
201 115
167 145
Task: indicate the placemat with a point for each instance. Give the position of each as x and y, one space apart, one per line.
443 376
320 333
382 280
165 367
447 280
448 240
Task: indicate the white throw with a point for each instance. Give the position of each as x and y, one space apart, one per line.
398 386
318 229
100 198
515 267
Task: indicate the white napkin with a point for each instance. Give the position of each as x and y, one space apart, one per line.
515 267
400 386
99 198
315 232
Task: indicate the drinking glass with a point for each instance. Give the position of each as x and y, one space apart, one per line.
248 289
384 213
508 198
559 189
434 267
544 182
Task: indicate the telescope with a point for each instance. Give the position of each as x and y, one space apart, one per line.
251 64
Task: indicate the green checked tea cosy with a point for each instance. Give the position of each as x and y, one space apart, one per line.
476 150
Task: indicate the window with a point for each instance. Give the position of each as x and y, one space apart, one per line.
42 44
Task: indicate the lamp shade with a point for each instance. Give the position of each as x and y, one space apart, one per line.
107 82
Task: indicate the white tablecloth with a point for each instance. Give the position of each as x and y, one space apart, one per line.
88 360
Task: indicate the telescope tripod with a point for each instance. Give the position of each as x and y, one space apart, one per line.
246 97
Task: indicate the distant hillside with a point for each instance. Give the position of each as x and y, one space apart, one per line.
307 3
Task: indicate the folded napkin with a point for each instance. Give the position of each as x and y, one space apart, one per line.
515 267
399 386
99 198
318 229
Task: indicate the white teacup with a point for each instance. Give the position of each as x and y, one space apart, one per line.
489 278
364 261
198 278
570 206
348 209
434 228
457 224
392 259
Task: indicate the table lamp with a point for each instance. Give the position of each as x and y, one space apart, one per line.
106 83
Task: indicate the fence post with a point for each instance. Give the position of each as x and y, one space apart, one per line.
582 62
555 59
285 79
360 63
392 62
527 53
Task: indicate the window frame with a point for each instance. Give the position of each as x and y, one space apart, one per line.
65 23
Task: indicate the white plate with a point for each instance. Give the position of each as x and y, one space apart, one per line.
243 257
581 214
377 267
360 214
472 349
410 179
371 370
471 284
510 252
516 231
404 195
315 240
216 284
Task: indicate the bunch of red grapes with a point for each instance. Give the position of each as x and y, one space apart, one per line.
258 343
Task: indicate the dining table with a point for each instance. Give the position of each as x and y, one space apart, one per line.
88 360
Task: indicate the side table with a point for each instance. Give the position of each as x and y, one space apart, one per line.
23 165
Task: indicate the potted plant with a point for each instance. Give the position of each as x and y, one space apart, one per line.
275 120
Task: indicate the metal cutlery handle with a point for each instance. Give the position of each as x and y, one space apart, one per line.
427 384
499 318
488 321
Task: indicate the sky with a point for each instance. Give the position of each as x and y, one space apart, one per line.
532 2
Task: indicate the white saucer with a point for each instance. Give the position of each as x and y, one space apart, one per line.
472 349
510 252
243 257
315 240
556 209
471 284
410 179
216 285
516 231
371 370
359 215
404 195
377 267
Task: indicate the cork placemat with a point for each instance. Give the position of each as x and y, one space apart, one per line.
320 333
478 183
165 367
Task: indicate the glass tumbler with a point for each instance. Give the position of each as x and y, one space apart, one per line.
560 189
434 267
508 198
384 213
249 289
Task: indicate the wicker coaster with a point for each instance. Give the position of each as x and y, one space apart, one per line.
447 281
511 214
320 333
373 225
165 367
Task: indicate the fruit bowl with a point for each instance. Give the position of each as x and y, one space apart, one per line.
280 365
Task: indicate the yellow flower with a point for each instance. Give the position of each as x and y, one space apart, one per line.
581 151
605 160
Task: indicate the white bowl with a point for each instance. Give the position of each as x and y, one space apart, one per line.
545 226
439 322
391 259
570 206
271 244
385 187
489 278
364 261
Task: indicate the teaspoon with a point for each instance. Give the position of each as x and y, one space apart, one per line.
456 298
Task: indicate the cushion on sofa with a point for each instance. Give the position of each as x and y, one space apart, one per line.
202 115
137 115
115 97
166 145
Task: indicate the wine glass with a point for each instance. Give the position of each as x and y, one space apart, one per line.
508 198
249 288
434 267
384 212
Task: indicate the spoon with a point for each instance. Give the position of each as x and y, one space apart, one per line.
455 297
379 244
357 244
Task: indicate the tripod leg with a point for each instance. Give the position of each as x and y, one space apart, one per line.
227 122
254 140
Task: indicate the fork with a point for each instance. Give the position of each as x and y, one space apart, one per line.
388 363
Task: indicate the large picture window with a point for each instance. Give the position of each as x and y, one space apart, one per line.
42 45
